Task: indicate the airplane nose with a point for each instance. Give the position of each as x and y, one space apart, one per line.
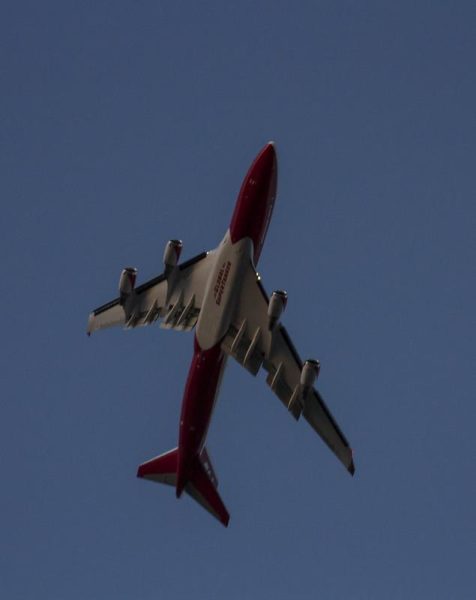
256 199
266 161
270 149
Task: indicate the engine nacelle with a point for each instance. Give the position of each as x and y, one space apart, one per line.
127 282
276 306
309 373
172 251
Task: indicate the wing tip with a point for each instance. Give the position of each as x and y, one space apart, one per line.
351 467
90 328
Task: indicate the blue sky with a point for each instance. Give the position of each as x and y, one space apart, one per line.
125 124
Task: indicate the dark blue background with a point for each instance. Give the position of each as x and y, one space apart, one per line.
125 124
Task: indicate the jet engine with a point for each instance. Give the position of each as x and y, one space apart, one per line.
309 373
172 251
127 282
276 306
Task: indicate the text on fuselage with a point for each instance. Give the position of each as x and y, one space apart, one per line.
221 281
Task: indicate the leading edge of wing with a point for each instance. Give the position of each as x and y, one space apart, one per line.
185 265
104 307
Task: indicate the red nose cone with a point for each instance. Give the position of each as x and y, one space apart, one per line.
256 199
267 153
262 171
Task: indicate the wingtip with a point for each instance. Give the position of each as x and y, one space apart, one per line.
351 468
90 328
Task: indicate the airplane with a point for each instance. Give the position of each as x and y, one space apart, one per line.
220 294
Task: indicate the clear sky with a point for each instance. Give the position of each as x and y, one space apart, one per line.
125 124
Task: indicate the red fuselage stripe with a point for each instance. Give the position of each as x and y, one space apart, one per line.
197 407
250 219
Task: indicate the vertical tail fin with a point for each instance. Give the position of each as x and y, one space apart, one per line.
201 480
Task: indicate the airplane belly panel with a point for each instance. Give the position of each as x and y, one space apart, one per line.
221 293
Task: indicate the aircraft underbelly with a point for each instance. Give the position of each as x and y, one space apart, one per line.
221 293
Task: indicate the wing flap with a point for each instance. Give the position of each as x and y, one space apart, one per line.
245 347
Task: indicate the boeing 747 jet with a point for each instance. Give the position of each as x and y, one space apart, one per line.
220 294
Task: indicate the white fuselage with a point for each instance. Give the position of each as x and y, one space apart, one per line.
221 290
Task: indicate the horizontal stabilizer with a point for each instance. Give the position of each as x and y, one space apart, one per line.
202 487
201 480
162 469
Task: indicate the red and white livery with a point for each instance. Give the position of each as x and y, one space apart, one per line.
219 293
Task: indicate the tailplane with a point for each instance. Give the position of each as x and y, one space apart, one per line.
201 480
162 469
202 486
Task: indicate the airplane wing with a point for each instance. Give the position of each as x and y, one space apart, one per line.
253 345
175 300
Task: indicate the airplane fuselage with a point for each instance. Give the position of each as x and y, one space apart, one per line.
220 294
242 243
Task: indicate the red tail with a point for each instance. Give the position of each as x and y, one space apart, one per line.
202 486
162 469
201 481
